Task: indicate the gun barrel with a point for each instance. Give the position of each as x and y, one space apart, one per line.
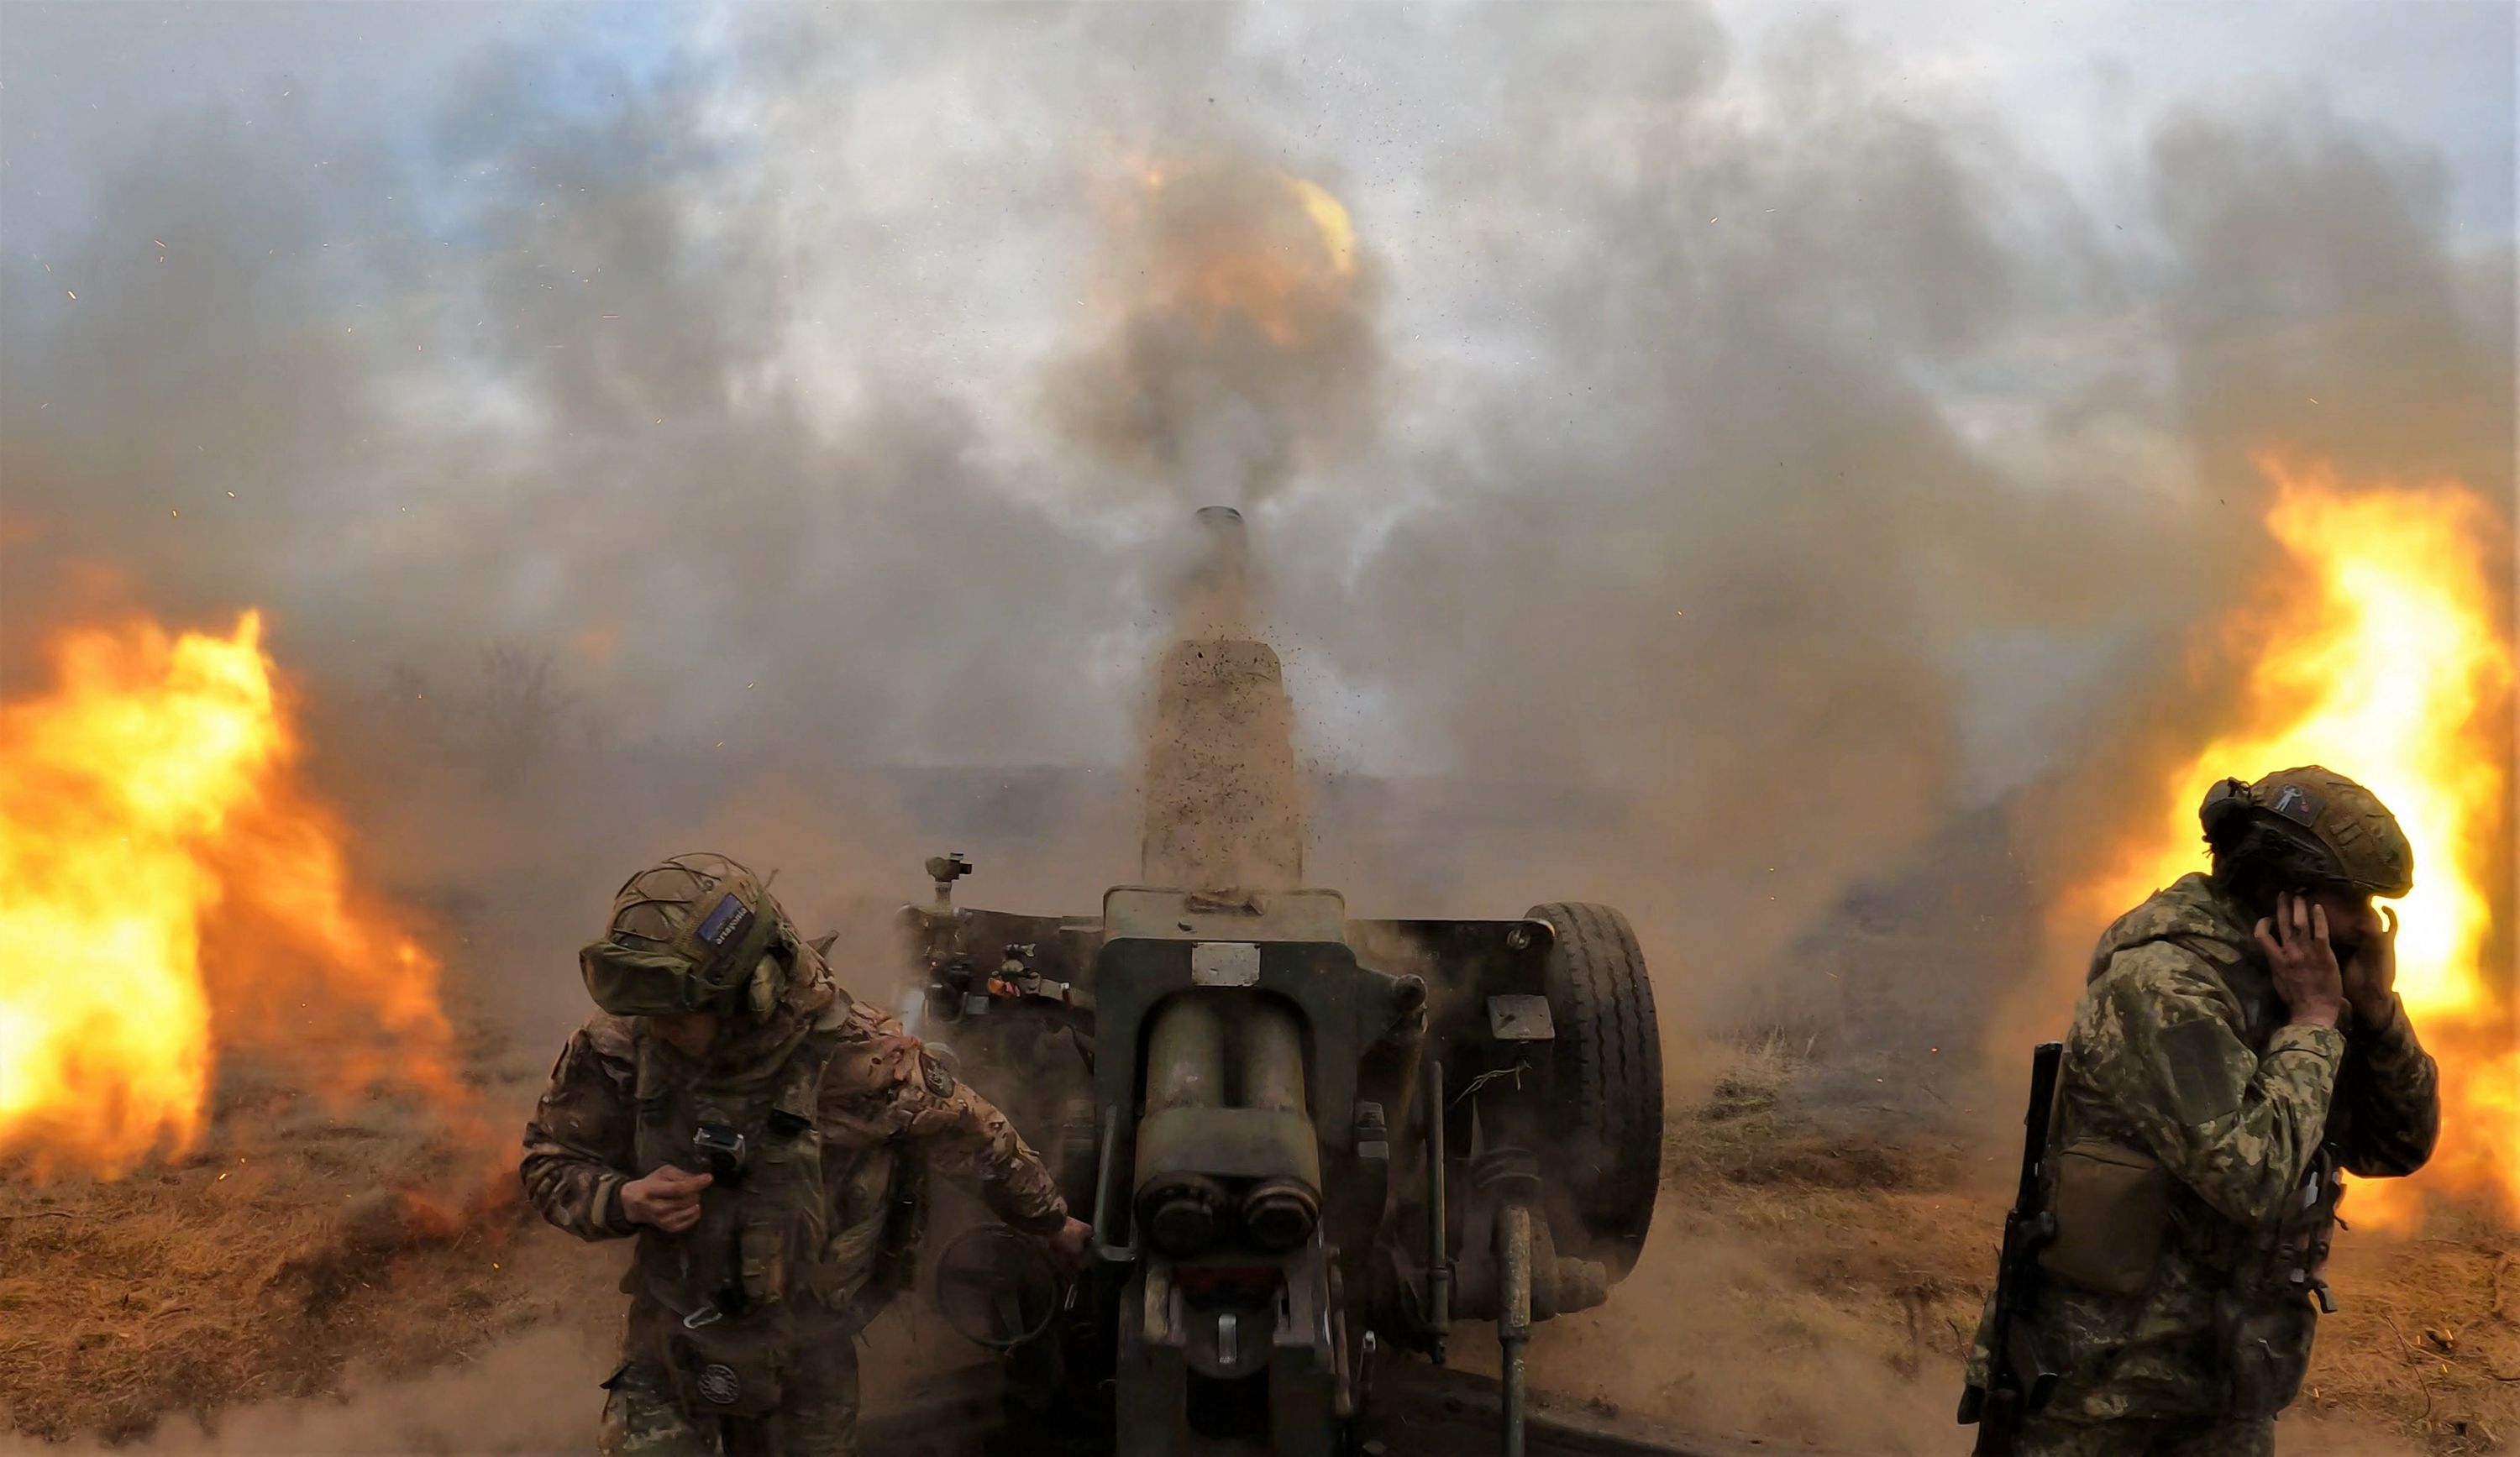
1185 1056
1272 1060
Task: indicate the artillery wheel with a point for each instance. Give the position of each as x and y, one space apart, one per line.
1608 1113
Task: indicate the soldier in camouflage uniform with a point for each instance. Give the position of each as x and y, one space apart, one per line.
759 1133
2238 1043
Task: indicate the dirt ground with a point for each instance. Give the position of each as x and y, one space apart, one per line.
274 1294
1805 1283
278 1263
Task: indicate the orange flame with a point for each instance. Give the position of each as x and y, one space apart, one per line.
1278 255
2381 653
172 889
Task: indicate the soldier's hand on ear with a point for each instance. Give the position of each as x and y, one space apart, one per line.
668 1199
2371 976
2307 977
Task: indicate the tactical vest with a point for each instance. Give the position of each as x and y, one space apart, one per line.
2264 1319
2117 1211
733 1289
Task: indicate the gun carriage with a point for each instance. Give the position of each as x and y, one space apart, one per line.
1310 1143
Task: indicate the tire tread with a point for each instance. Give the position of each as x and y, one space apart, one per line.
1609 1041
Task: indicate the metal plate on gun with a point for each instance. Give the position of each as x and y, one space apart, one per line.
1225 963
1520 1018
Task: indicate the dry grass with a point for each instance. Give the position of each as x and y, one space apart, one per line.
266 1270
2427 1338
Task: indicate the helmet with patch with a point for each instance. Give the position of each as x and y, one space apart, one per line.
695 933
2311 825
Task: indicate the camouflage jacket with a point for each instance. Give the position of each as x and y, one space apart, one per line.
880 1097
2181 1050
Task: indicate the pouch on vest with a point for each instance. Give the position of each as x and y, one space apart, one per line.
761 1252
727 1368
2266 1321
2266 1351
2112 1208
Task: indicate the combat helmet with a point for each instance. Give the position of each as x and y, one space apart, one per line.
2311 825
695 933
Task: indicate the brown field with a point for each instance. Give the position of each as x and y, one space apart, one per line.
278 1264
1803 1283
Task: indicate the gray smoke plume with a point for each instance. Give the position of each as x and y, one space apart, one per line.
1710 477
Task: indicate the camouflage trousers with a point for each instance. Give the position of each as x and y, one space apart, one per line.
641 1419
2192 1436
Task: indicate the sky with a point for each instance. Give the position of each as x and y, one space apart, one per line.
89 85
2079 81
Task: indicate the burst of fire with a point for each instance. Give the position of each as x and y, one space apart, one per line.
2381 653
1278 256
173 891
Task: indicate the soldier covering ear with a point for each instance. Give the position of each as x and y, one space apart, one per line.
2223 1071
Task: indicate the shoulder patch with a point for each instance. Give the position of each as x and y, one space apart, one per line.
939 1082
2201 1087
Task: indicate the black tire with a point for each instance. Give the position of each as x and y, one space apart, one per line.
1608 1164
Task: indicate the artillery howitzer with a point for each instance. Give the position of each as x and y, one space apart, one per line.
1309 1143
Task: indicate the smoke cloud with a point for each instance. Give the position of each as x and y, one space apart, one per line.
1782 459
1743 442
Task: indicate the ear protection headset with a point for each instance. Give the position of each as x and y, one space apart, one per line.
2225 814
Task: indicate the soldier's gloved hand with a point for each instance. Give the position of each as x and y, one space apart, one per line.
1070 1244
668 1199
2306 975
2371 976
